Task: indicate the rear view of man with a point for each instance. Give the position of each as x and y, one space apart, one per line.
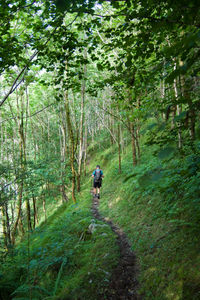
97 175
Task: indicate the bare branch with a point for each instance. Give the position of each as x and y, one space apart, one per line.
28 5
35 113
116 117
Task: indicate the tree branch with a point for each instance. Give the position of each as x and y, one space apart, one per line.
116 117
35 113
15 84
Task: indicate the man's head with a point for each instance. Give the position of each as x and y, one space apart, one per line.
97 167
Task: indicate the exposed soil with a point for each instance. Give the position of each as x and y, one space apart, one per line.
123 283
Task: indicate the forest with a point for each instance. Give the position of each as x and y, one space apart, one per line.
114 83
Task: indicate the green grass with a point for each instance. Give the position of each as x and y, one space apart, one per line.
167 250
156 204
65 261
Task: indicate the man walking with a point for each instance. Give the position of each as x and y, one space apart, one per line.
97 175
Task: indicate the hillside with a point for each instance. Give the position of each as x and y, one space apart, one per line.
109 82
164 234
64 260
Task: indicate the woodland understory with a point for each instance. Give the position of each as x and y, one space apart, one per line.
109 82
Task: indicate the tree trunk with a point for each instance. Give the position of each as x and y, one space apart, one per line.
22 148
22 132
162 93
72 150
4 226
44 207
64 154
137 132
132 130
12 214
85 150
35 216
192 113
178 112
119 146
81 132
7 224
137 142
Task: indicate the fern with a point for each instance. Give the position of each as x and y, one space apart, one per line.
59 276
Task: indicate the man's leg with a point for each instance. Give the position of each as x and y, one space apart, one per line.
94 188
98 190
95 191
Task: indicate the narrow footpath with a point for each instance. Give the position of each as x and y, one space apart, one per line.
123 284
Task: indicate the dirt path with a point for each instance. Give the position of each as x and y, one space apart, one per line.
123 284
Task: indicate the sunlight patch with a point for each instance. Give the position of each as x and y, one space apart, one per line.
117 199
110 204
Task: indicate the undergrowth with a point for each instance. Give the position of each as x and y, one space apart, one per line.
62 258
157 205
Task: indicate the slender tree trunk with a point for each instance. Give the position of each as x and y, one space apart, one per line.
85 148
119 146
64 154
32 128
18 220
23 138
178 112
21 184
44 207
132 131
7 224
119 141
162 93
35 216
137 142
4 226
72 150
192 120
192 113
111 130
131 128
137 132
2 142
12 213
81 132
123 143
92 136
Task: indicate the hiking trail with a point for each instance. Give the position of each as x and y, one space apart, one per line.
123 283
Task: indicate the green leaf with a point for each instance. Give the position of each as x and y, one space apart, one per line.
99 67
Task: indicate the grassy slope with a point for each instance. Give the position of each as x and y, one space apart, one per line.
168 254
65 260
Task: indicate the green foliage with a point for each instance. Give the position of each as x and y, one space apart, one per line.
157 204
65 260
144 57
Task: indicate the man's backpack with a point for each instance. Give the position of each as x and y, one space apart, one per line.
97 176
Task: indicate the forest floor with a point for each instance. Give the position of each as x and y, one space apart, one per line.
123 284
